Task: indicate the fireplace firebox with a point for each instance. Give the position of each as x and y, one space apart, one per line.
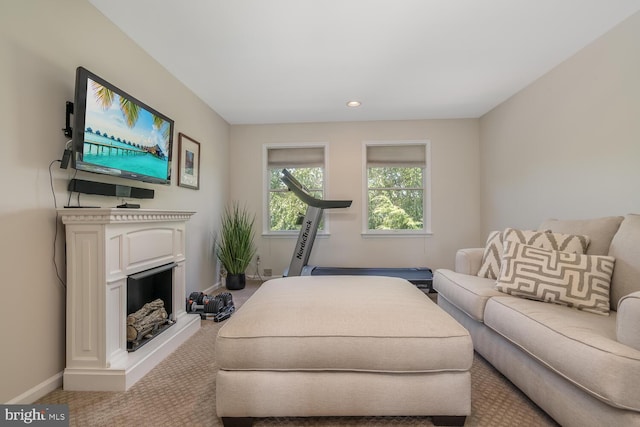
147 287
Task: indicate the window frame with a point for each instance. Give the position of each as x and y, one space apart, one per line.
426 188
266 232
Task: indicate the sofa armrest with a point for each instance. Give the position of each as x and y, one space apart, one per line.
627 330
468 261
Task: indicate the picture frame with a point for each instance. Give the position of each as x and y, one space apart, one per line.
188 162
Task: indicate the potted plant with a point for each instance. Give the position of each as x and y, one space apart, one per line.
234 247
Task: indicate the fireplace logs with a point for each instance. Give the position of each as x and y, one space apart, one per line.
146 321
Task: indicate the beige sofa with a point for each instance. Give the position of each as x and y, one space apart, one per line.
582 368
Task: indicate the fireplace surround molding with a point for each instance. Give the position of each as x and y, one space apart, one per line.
104 246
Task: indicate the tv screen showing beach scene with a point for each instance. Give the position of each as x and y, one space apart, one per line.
123 137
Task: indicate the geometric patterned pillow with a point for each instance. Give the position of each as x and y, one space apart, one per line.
548 240
492 256
575 280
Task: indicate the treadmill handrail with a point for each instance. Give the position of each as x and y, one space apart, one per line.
299 190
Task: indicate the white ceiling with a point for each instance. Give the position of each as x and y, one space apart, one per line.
284 61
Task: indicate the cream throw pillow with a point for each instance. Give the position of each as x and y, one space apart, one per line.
548 240
574 280
491 258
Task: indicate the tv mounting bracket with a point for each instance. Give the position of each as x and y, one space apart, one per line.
67 130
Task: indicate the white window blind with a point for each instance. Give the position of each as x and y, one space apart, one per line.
295 157
409 155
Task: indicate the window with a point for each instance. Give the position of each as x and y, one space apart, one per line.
397 187
283 210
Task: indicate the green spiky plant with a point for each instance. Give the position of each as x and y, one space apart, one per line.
234 246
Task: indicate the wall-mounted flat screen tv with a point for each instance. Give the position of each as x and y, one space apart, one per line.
116 134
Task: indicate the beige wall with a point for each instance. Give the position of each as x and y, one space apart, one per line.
568 146
455 191
41 44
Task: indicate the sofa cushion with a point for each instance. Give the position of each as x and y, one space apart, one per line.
625 247
577 345
469 293
599 230
574 280
491 260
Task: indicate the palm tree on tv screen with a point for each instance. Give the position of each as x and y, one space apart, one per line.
130 110
159 122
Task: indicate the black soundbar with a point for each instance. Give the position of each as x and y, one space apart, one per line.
103 189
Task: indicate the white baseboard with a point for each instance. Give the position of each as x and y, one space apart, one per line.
212 289
35 393
263 278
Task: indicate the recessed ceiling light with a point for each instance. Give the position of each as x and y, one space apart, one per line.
353 104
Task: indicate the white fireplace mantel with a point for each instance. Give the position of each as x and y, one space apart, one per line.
104 246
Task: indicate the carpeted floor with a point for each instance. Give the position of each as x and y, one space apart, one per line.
180 391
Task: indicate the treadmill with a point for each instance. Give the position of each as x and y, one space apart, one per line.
421 277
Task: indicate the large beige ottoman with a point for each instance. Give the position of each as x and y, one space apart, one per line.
342 346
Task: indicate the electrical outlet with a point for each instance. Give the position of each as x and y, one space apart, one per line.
268 272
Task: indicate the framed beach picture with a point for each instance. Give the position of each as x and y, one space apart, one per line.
188 162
